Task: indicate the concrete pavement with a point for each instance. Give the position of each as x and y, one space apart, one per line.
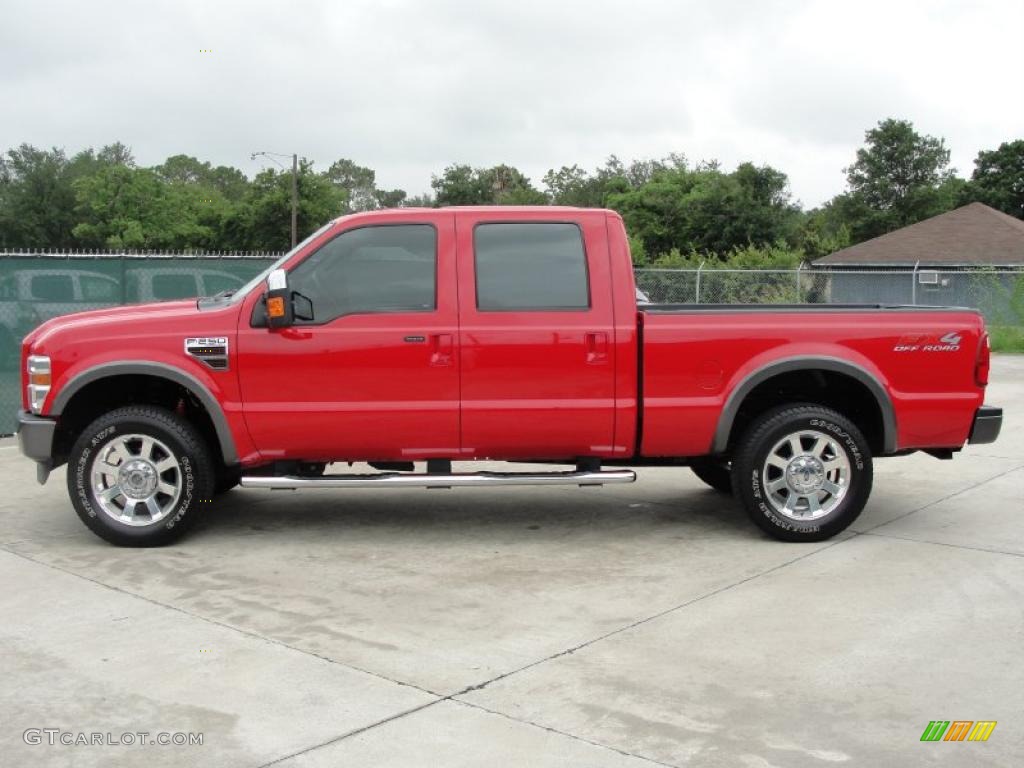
625 626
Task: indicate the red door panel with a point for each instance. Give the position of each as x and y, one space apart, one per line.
537 383
376 385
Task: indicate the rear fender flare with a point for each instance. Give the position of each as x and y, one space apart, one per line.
861 374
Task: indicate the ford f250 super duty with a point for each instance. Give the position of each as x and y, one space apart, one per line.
440 335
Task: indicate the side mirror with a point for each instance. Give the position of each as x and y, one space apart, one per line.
302 307
278 302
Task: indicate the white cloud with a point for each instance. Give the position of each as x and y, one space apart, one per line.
408 87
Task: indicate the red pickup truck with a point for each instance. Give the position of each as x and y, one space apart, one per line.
515 334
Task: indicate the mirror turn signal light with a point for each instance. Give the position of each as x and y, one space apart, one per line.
275 306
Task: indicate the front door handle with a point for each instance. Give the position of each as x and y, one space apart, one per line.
291 332
597 347
441 349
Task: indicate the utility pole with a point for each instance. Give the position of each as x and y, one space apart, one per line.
295 200
295 188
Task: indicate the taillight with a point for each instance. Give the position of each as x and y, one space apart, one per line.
983 363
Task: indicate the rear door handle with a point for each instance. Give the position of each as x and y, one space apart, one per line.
441 349
597 347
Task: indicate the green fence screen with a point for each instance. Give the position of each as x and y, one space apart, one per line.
35 287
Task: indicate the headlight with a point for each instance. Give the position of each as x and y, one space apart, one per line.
38 381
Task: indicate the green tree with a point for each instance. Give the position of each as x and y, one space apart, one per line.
36 199
116 154
262 221
821 231
998 179
898 178
704 210
571 185
391 198
420 201
357 184
184 169
120 207
500 185
461 185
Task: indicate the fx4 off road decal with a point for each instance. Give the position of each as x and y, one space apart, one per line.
923 342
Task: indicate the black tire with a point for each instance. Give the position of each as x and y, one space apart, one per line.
753 476
715 472
192 474
227 478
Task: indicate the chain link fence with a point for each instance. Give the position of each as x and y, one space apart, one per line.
997 293
36 286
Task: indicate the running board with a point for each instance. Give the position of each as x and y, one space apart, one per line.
457 480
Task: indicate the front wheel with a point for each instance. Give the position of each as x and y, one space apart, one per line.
802 472
139 476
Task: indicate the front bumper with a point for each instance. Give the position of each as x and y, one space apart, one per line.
988 420
35 438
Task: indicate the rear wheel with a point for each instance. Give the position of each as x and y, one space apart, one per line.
803 472
715 472
139 476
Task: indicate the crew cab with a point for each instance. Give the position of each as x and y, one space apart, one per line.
413 338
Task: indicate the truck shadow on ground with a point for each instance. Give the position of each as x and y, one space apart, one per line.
683 512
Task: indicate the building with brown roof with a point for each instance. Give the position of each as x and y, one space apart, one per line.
971 236
972 256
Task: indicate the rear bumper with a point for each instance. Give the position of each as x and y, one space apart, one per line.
35 439
988 420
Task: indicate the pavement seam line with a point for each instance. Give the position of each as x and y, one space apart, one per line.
573 736
427 705
224 625
440 698
945 498
565 652
991 456
645 620
354 732
944 544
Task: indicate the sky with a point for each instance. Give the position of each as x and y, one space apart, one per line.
408 87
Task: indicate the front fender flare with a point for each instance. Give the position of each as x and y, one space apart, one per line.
161 370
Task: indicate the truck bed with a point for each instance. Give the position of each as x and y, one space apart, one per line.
699 361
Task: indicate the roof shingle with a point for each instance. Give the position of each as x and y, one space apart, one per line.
973 235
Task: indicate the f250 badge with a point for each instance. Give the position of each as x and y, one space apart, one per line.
921 342
213 351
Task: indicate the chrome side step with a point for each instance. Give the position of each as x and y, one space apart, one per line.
456 480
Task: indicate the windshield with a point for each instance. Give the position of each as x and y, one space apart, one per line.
244 290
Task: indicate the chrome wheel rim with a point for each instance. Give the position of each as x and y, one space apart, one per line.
136 479
806 475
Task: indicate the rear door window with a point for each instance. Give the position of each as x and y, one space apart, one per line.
530 267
